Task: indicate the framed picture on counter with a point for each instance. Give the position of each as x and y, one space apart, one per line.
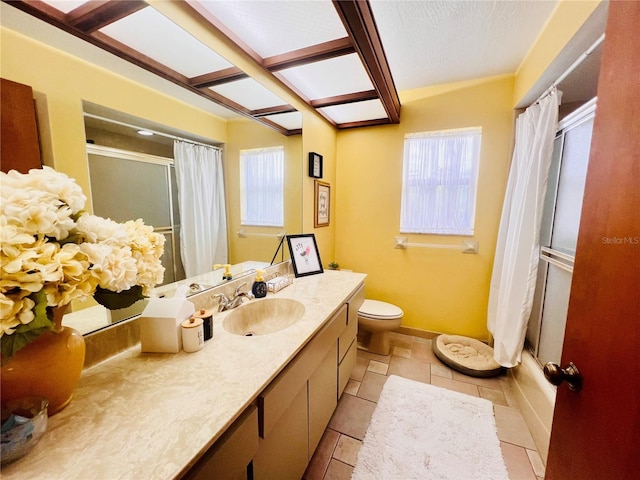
305 258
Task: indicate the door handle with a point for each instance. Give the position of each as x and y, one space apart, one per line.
570 374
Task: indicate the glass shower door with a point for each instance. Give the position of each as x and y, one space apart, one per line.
559 235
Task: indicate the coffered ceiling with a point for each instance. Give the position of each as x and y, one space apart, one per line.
346 59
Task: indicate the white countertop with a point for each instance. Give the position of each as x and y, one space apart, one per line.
150 415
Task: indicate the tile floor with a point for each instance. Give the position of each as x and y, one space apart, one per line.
412 357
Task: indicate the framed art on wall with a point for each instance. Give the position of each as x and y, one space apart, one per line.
322 204
315 165
305 258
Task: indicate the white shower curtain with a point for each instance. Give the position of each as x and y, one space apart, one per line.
516 261
203 220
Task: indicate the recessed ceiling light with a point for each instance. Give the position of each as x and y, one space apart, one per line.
146 133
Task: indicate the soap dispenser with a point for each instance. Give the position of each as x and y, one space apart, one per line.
259 288
227 270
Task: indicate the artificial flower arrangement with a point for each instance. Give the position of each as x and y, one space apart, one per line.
53 252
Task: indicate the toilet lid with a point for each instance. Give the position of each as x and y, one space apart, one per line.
381 310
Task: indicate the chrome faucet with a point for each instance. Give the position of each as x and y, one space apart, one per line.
226 303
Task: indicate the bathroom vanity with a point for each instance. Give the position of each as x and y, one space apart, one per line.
259 403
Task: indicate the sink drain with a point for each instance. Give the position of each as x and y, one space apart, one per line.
248 334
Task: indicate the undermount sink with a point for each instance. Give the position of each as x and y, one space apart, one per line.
262 317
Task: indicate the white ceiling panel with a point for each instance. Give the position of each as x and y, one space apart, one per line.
150 33
290 121
435 42
248 93
65 5
355 112
329 78
274 27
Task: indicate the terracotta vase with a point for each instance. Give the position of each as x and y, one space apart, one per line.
50 366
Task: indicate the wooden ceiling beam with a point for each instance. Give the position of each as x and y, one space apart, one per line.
263 112
96 14
314 53
218 77
359 22
344 99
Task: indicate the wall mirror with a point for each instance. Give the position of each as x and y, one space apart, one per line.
132 176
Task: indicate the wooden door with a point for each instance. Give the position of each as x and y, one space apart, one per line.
596 431
19 144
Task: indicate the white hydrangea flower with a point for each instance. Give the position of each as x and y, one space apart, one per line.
48 245
14 312
48 181
96 229
113 266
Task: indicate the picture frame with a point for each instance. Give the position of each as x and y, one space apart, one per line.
305 258
322 204
315 165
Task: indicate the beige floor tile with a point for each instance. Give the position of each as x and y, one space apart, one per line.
456 386
322 456
347 450
338 471
441 371
373 356
401 340
493 394
401 352
508 389
359 368
491 382
512 428
421 340
424 352
371 386
410 368
517 462
352 387
536 463
378 367
352 416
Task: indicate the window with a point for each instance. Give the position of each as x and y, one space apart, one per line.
262 187
439 178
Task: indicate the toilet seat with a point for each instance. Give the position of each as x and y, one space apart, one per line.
377 310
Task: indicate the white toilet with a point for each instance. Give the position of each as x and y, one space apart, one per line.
375 320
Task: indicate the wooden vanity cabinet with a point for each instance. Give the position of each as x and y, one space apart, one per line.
279 437
310 380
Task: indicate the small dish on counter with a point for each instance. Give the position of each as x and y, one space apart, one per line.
23 422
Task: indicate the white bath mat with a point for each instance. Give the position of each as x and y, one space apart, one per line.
419 431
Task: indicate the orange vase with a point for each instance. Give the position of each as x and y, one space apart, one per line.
50 367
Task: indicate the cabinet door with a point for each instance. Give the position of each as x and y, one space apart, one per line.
228 458
323 396
284 453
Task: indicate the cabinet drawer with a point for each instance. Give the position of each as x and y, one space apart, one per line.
228 458
276 398
346 366
354 303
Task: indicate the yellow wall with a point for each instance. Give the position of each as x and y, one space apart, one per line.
65 81
439 290
244 134
567 18
320 137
